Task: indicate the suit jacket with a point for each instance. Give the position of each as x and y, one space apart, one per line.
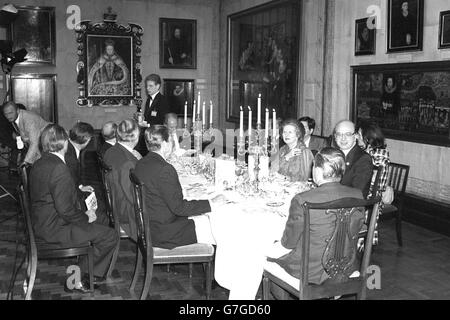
121 160
164 203
316 144
73 163
160 106
321 228
105 146
55 207
30 127
358 171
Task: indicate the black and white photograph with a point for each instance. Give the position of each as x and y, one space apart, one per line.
212 157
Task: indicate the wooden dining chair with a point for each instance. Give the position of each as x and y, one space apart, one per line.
113 215
338 259
39 250
397 178
194 253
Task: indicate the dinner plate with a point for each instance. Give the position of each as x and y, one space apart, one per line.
274 204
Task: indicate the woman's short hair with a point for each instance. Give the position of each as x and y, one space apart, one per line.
53 138
154 137
81 132
332 162
127 131
372 135
299 130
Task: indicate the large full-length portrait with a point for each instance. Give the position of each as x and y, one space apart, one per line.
34 30
263 56
109 66
405 25
409 101
177 43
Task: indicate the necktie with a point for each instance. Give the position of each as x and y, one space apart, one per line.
16 128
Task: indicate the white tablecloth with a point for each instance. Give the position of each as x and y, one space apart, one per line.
244 232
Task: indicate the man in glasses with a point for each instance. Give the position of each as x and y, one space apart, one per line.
358 163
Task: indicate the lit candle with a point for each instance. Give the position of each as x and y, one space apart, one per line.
274 133
204 113
241 123
193 113
249 123
185 114
267 123
259 109
210 113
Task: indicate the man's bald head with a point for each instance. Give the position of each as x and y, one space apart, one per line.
171 121
10 111
109 131
344 135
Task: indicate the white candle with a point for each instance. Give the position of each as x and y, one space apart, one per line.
259 109
241 123
249 123
199 103
193 113
267 123
210 113
274 133
204 113
185 113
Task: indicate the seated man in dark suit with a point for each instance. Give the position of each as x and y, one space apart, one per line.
56 213
168 210
79 137
109 135
122 157
359 167
314 143
329 167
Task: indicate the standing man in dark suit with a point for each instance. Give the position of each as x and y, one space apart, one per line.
359 163
329 167
314 143
156 105
169 212
56 215
109 135
122 157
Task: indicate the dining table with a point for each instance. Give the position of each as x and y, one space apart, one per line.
244 227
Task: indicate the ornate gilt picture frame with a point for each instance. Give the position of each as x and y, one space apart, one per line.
109 63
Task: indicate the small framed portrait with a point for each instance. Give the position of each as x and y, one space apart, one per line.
178 92
177 43
444 30
365 37
34 30
405 25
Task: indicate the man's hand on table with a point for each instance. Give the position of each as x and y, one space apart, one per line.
218 201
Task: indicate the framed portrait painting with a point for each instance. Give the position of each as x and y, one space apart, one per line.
34 30
409 101
177 43
262 58
109 66
444 30
178 92
405 25
365 37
